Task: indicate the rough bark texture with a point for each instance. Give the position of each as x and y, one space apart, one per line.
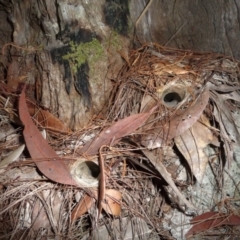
200 25
44 29
41 32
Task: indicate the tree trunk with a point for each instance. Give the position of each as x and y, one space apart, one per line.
199 25
68 51
65 53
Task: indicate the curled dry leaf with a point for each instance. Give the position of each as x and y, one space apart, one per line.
224 98
13 156
43 118
49 164
222 113
224 88
228 129
82 207
210 220
191 144
112 202
47 120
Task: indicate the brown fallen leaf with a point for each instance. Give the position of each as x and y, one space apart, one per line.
44 118
82 207
210 220
47 120
111 204
112 198
115 132
51 165
191 144
178 124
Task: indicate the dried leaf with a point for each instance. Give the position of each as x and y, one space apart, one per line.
170 69
114 133
43 118
167 177
222 88
47 120
228 129
112 206
12 156
47 204
82 207
147 101
178 124
231 96
54 169
210 220
192 143
223 115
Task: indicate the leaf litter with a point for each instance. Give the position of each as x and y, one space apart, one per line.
171 124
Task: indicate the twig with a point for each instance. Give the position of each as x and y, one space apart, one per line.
143 12
102 183
166 176
174 35
16 46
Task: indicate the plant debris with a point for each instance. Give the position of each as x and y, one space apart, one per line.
167 146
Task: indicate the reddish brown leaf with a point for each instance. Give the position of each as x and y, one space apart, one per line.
47 120
114 133
54 169
210 220
82 207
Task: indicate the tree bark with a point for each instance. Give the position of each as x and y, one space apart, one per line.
41 33
200 25
73 81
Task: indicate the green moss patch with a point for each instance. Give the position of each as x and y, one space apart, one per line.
84 52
